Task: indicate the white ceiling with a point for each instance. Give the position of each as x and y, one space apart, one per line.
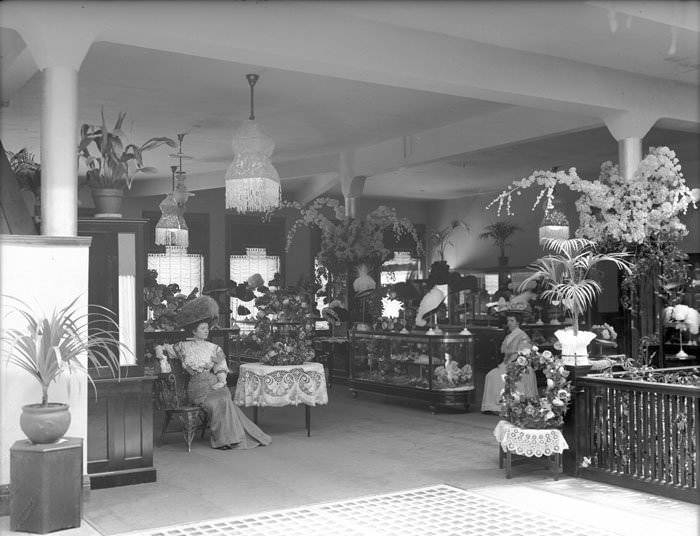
430 100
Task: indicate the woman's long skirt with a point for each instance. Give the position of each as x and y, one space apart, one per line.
228 424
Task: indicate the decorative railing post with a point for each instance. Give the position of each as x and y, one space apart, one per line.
574 427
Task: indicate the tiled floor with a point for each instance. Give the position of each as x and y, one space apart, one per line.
368 448
435 510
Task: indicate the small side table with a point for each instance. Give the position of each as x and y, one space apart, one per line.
529 443
282 385
46 485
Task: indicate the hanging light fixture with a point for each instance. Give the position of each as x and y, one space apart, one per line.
554 224
171 229
252 182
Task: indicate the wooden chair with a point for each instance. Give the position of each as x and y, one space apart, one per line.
171 397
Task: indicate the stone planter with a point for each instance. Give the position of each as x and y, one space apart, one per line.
45 424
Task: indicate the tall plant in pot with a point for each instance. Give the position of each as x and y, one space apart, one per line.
64 342
112 164
567 276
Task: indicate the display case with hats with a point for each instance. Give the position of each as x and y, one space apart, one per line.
435 370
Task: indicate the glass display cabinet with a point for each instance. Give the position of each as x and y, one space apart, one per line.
434 369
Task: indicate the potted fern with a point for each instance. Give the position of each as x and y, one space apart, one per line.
112 164
54 345
566 274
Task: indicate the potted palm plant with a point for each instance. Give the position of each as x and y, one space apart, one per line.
566 275
64 342
113 165
439 269
499 232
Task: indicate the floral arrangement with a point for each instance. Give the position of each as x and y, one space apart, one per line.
630 211
546 411
346 240
283 327
640 215
451 375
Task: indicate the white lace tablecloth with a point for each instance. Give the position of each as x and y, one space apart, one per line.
529 442
284 385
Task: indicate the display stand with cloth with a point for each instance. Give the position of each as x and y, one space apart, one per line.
529 443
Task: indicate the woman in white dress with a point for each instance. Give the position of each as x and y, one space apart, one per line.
205 362
515 340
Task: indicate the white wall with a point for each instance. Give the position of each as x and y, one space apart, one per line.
46 272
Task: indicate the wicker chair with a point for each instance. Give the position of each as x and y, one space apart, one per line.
171 397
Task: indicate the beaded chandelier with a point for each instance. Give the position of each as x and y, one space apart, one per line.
171 229
252 182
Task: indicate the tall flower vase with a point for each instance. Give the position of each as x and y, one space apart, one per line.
574 348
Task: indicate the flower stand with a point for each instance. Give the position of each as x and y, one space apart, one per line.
529 443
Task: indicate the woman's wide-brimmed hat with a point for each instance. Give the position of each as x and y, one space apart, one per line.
202 309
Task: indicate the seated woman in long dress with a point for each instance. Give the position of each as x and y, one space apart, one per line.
206 364
515 340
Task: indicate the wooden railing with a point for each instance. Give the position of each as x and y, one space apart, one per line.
637 434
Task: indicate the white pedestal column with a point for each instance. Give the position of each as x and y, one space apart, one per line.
59 142
630 155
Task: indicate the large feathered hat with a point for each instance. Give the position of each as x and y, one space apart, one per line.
202 309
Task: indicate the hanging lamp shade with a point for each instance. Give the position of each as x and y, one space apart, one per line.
171 229
252 182
554 225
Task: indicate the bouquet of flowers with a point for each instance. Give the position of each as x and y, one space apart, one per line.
545 411
283 327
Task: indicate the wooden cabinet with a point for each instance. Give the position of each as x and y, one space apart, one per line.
120 416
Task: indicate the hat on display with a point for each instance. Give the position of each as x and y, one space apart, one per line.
428 305
255 281
439 273
244 293
335 313
202 309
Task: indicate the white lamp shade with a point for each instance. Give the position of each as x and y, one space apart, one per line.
555 225
171 229
252 182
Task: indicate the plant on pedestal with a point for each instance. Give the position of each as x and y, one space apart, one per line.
113 165
567 278
65 342
499 232
441 239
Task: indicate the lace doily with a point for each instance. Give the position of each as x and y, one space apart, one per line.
529 442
